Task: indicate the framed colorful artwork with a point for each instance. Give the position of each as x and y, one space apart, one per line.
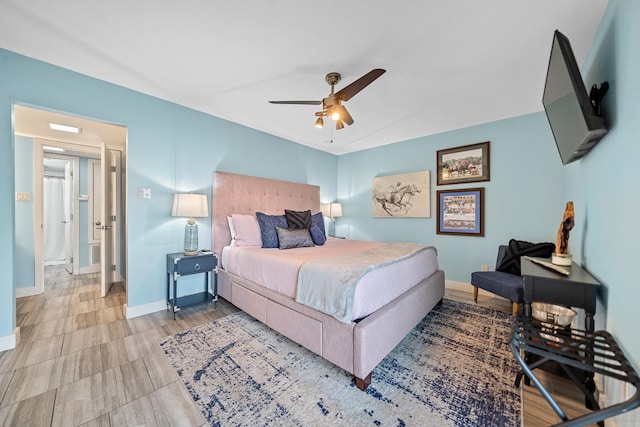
461 212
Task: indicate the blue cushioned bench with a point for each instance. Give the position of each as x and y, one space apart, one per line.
506 285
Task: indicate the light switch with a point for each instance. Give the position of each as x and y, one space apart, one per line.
23 196
144 193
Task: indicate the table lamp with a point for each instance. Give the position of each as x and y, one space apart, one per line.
191 206
333 211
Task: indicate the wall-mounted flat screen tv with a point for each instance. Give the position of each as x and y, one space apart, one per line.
575 125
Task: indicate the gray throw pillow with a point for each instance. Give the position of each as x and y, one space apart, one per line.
289 239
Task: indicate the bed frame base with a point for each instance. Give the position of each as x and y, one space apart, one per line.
355 347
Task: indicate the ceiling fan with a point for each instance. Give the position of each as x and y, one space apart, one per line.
332 104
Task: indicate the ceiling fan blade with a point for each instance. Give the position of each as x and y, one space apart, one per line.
344 115
347 92
297 102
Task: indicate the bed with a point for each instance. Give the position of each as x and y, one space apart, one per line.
356 345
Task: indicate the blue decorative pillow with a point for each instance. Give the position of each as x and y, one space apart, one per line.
317 235
268 224
288 238
318 220
298 220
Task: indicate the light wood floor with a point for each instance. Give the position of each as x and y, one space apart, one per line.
80 362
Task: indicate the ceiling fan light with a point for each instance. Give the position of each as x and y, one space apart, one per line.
335 115
319 123
339 124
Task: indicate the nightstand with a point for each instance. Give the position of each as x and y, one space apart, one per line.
178 265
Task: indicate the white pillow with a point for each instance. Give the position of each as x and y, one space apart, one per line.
232 230
247 230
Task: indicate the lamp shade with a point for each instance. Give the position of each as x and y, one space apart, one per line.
332 210
190 205
335 210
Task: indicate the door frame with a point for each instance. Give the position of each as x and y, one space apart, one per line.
93 213
108 217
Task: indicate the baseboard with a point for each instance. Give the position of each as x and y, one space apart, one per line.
468 287
9 342
617 391
458 286
27 292
141 310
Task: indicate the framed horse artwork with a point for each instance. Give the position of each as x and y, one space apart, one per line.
405 195
468 163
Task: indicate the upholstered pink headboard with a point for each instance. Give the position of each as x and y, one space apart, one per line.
243 194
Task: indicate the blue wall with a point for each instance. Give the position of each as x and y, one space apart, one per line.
524 198
25 273
170 148
604 184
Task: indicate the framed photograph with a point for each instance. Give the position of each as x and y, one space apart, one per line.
468 163
405 195
461 212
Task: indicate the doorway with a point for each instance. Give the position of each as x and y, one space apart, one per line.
62 234
60 211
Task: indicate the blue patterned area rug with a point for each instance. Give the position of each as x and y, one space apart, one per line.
454 369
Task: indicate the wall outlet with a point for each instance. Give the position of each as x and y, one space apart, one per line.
23 196
144 193
484 268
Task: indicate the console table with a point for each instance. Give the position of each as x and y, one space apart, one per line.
578 289
579 353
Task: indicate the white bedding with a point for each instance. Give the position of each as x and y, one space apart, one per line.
277 270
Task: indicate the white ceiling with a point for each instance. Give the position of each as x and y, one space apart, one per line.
450 64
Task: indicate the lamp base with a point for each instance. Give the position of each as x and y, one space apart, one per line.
191 238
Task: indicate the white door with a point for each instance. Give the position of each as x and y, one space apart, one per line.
107 219
67 196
